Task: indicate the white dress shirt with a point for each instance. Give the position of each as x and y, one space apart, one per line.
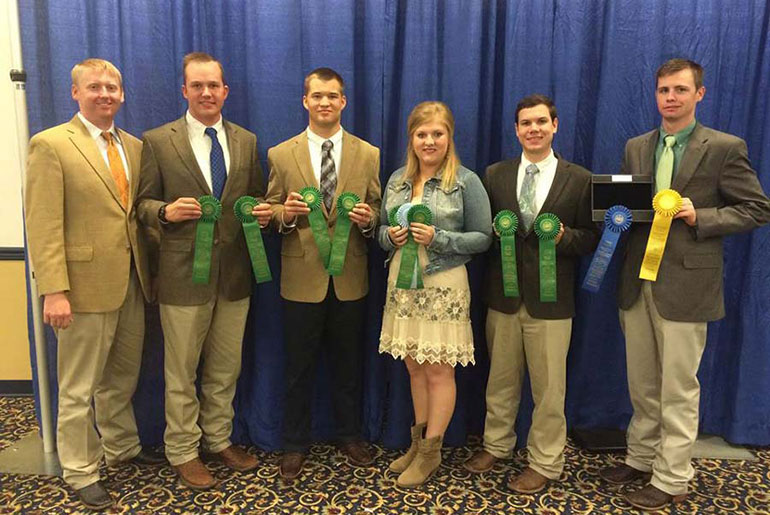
201 145
314 143
543 181
101 143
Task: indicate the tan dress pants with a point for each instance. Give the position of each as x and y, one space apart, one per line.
214 332
518 341
99 357
662 358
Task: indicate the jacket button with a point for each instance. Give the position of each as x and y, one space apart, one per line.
216 241
128 247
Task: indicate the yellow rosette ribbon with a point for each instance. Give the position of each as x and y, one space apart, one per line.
666 204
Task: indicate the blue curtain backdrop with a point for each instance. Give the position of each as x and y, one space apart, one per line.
595 58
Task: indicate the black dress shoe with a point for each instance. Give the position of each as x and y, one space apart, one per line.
149 457
95 496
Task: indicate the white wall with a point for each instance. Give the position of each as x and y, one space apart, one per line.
11 220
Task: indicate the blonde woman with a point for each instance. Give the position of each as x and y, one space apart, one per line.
429 327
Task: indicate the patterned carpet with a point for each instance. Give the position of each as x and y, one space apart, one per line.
330 486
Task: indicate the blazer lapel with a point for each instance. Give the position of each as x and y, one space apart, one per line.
133 167
181 142
509 187
234 144
301 152
560 180
349 157
647 159
86 145
693 154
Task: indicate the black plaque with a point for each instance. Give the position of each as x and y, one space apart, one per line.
633 191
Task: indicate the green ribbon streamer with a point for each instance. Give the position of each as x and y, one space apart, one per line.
506 224
253 234
312 197
345 204
547 228
409 267
211 209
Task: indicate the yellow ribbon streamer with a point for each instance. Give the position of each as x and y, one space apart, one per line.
666 204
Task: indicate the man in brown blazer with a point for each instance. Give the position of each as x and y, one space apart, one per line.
524 332
665 321
91 268
323 313
201 154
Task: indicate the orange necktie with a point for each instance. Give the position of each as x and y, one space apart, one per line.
116 168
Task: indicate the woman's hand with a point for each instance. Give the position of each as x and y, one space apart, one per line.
398 235
422 234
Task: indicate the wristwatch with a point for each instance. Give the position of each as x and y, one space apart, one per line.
162 214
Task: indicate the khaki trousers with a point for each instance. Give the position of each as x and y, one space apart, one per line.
662 358
518 341
99 357
213 331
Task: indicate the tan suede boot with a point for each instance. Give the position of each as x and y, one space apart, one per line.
399 465
424 464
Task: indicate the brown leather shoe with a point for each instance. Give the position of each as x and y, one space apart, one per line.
651 498
194 474
528 482
237 459
357 452
622 474
480 462
291 465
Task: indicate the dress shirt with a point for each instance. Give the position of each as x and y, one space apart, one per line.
101 143
201 144
544 180
682 138
314 143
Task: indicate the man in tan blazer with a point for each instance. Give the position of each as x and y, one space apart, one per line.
523 332
91 268
323 313
201 154
665 321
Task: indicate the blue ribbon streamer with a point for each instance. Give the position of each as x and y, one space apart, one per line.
617 219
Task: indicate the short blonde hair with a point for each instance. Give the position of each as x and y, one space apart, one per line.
426 112
93 63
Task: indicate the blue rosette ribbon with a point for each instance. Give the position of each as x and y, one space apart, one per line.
617 220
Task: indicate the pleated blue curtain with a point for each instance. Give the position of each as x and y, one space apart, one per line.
596 58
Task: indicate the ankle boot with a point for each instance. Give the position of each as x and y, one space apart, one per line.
399 465
424 464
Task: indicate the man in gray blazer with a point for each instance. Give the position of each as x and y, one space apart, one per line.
664 321
524 332
201 154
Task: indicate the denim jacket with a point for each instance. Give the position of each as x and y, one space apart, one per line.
461 217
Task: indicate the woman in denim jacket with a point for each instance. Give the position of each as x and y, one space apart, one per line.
429 328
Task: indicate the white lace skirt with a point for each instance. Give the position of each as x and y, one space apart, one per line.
431 324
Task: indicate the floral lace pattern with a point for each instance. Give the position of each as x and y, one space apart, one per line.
441 304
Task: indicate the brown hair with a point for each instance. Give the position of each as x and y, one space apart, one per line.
423 113
95 64
677 65
536 100
200 57
324 74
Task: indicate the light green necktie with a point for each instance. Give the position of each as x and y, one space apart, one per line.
665 164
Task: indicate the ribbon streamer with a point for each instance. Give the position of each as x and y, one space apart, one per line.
666 204
253 233
547 228
617 220
211 209
312 197
506 222
345 204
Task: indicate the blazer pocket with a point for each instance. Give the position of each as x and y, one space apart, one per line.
79 253
694 261
176 245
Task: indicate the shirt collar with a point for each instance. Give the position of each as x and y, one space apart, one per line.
95 132
541 164
681 136
195 126
336 138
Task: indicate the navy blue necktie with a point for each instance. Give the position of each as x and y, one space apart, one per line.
217 160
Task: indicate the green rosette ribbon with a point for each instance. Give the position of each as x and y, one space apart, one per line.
392 217
253 234
211 209
409 271
547 228
505 224
345 204
312 197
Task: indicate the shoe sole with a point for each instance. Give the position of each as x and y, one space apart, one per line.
98 507
419 484
675 499
528 492
645 477
477 470
197 488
